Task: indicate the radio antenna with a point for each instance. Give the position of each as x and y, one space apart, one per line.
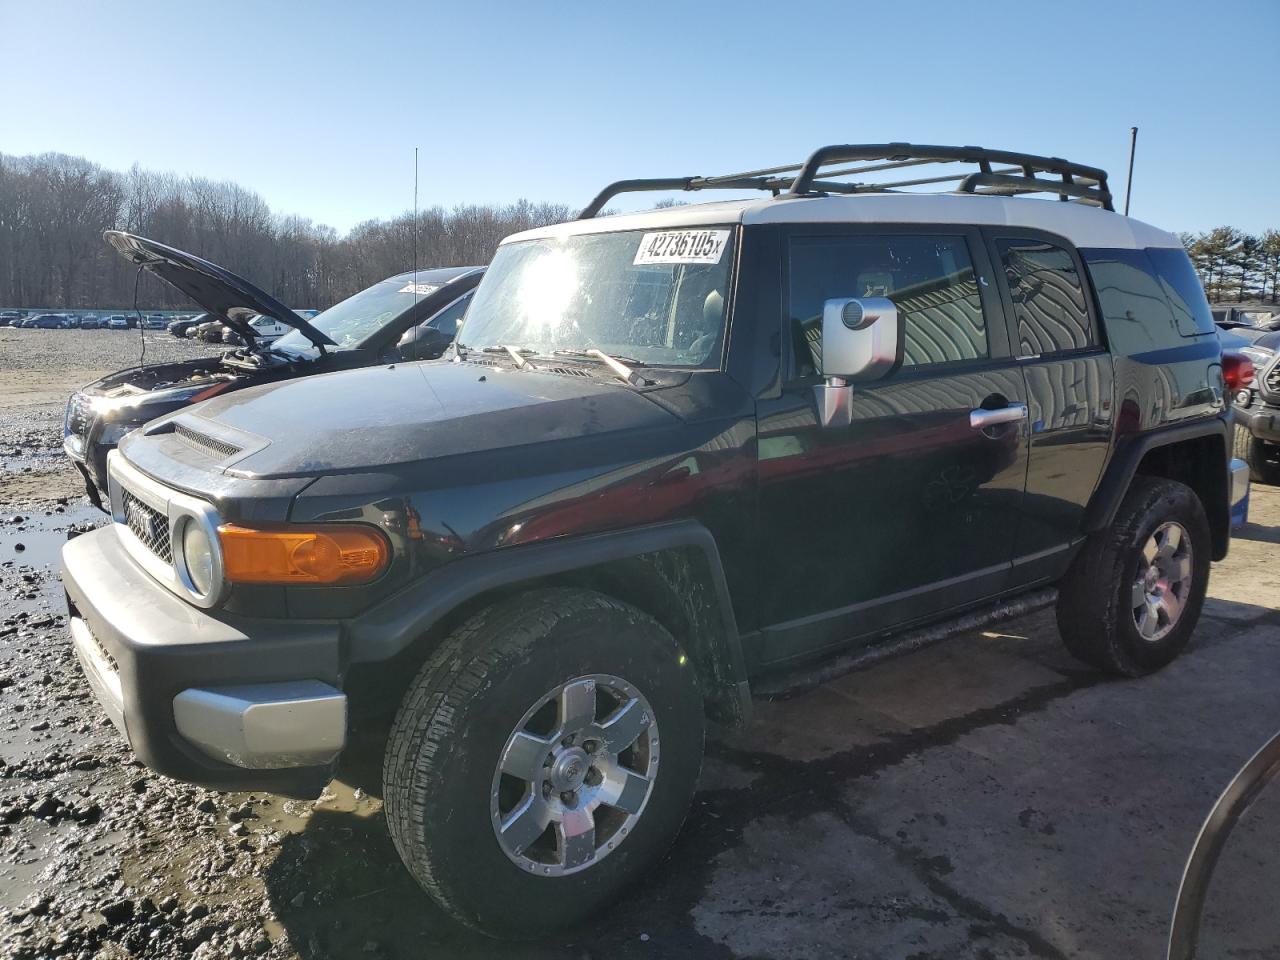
1133 148
415 229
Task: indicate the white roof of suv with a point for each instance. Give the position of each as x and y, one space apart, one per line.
1083 225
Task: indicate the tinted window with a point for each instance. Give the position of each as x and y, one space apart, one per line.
930 280
1182 287
1135 309
447 320
1048 297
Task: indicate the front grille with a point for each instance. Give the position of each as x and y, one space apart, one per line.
1272 378
149 525
203 442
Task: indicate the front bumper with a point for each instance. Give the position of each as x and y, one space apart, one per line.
1261 420
206 697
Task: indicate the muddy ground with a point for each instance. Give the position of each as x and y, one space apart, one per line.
983 797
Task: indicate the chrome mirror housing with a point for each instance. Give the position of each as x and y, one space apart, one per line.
861 341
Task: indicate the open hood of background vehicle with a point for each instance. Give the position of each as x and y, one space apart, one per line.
227 297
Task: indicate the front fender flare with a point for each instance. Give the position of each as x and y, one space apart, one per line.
396 623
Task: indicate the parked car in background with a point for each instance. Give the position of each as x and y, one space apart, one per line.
265 328
401 318
9 318
179 327
155 322
89 323
73 320
1256 408
209 331
49 321
118 321
672 456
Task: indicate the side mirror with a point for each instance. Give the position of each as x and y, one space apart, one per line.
423 343
861 340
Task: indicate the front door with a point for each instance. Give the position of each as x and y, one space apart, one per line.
912 509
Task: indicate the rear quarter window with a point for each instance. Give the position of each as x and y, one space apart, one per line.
1135 309
1181 285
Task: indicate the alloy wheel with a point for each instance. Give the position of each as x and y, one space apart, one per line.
574 775
1163 581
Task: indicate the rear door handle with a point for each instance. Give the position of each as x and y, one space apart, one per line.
982 418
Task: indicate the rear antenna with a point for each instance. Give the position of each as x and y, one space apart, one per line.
415 231
1128 187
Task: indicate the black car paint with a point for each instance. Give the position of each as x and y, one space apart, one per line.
237 370
707 488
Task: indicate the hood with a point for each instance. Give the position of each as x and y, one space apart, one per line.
226 296
370 418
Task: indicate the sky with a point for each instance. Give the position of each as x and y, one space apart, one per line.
318 106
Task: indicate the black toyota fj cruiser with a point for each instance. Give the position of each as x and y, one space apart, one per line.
673 454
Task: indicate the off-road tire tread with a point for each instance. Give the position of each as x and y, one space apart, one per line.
1088 608
454 673
1254 452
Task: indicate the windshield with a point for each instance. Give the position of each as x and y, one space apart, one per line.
356 318
657 297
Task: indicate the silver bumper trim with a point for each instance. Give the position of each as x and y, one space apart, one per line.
260 726
1239 481
103 678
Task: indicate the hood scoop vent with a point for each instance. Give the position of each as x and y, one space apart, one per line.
220 449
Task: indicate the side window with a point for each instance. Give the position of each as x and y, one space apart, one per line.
930 279
1182 287
1135 310
1048 297
448 319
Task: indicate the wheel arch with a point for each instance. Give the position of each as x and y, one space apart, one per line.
1195 454
671 571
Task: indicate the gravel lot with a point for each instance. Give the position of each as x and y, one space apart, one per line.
983 797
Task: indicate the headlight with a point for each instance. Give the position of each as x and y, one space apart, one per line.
197 559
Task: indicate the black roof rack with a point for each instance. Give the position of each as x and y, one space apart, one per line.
1018 173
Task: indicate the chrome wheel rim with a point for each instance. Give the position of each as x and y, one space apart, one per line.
1163 581
575 775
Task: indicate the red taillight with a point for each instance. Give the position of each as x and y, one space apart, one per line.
1237 371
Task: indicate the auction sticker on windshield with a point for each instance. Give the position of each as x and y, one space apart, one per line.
421 289
682 246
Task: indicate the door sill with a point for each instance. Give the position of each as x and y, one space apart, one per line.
788 683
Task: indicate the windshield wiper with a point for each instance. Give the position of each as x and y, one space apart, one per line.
615 364
517 354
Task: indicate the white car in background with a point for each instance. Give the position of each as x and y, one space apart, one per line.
265 328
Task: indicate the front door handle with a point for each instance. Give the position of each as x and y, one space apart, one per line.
982 418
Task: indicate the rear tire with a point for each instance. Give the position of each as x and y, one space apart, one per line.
518 713
1263 458
1133 595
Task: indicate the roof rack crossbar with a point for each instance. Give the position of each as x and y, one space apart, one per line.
1012 185
1019 173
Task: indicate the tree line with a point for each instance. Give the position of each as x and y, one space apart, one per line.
54 208
1234 265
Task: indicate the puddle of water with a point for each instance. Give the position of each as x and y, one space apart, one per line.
41 535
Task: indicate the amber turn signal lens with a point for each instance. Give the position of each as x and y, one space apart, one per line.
284 553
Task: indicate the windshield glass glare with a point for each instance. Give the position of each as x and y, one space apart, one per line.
653 296
356 318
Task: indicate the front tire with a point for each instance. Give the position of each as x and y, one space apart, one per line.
1133 595
542 759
